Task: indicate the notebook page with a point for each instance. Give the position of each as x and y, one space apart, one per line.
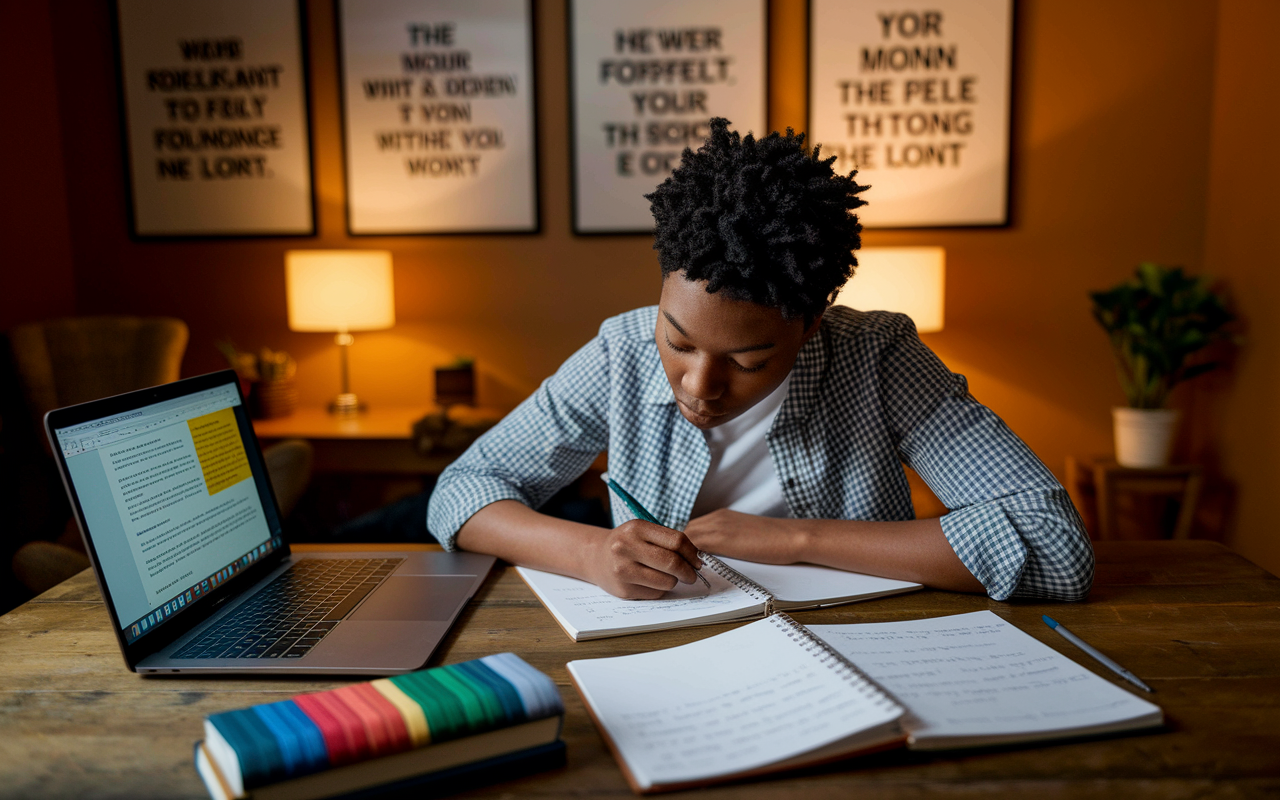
584 609
805 584
726 704
975 675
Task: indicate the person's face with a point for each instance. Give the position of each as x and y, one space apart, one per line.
722 356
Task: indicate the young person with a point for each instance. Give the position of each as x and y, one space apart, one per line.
759 421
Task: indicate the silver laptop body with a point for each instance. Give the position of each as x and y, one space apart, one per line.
171 495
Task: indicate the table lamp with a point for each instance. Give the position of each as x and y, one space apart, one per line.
908 280
342 291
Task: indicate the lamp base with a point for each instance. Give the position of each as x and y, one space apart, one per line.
346 405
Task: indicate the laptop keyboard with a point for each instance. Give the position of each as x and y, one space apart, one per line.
290 615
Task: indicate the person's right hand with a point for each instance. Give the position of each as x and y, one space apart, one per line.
639 560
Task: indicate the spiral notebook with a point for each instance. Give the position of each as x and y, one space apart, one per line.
774 695
765 697
736 590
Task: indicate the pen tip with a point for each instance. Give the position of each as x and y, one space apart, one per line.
1048 620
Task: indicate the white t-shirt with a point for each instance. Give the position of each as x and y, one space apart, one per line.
742 476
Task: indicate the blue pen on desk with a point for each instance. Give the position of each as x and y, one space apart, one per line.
639 511
1088 648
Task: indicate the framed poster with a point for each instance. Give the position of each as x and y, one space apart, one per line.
918 102
438 116
214 99
646 80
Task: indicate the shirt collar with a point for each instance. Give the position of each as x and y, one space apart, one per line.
657 389
806 380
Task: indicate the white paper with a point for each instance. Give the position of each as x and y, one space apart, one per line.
806 584
975 675
586 611
737 701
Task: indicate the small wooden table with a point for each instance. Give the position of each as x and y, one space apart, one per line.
1196 621
1097 485
378 441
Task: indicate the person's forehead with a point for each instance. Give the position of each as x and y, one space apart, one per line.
718 320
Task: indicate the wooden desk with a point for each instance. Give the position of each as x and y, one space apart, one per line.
378 441
1197 622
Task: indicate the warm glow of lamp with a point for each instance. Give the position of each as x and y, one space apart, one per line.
341 291
909 280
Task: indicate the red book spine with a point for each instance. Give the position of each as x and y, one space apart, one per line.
384 728
335 741
355 743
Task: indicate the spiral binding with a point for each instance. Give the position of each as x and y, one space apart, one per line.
738 579
831 658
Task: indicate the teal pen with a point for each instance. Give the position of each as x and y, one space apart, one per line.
639 511
1088 648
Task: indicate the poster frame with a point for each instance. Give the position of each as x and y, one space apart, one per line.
304 66
573 114
531 14
1010 127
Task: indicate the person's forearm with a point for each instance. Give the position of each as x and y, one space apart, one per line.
912 550
516 533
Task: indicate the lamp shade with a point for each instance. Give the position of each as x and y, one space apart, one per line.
339 290
909 280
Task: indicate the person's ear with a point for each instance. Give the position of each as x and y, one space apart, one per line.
812 329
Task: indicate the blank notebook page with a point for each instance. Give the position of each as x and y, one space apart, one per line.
808 583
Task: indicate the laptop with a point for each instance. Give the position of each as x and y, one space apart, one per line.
171 494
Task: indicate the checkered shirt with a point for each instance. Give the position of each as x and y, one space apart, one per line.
866 395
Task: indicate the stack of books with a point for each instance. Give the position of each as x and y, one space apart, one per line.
438 730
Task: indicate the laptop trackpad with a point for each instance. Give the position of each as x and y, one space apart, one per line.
416 597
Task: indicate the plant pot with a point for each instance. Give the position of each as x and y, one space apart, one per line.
1144 436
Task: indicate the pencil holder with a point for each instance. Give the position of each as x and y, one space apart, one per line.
271 399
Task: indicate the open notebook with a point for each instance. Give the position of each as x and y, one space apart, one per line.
972 680
737 590
775 695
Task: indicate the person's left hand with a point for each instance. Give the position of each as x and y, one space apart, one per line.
765 540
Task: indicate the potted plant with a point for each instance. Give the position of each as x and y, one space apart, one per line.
1156 320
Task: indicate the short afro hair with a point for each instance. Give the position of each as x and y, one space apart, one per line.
762 220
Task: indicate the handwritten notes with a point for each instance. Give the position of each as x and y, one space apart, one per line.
974 679
589 612
742 700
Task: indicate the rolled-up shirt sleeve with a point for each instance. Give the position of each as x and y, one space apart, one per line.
536 450
1011 522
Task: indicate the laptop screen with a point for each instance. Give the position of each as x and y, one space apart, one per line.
171 502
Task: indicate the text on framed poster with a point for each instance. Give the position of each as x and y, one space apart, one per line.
647 79
214 100
438 97
916 98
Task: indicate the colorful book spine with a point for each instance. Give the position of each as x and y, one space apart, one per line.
313 732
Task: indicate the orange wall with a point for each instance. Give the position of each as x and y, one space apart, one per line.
1111 134
1243 246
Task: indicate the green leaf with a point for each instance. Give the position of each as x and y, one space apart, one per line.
1155 321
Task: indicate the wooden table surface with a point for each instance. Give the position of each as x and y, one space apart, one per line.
1196 621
